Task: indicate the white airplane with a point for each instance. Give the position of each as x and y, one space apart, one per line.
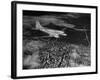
51 32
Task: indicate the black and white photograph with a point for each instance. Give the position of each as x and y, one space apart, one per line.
54 39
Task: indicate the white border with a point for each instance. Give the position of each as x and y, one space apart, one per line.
21 72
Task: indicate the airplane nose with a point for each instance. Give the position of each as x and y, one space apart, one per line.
65 34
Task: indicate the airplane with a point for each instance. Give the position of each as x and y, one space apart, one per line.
51 32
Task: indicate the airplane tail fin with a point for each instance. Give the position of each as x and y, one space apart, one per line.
38 25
